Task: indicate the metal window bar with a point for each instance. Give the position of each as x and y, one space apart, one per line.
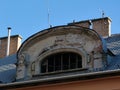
61 62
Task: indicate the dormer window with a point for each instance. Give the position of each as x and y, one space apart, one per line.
62 61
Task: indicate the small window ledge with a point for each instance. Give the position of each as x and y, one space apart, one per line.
62 71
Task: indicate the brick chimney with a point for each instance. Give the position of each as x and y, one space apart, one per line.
14 45
102 26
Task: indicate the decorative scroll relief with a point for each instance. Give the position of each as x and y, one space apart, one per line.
21 59
20 72
21 67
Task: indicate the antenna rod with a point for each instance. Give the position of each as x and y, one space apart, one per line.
8 42
48 18
103 14
48 11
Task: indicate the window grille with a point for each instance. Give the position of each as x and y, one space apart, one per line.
61 62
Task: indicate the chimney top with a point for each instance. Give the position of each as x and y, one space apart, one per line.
105 18
101 25
9 28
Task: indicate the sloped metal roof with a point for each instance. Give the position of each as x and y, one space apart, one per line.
8 69
8 60
114 63
113 43
8 76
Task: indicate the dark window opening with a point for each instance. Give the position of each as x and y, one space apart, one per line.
57 62
65 61
60 62
50 64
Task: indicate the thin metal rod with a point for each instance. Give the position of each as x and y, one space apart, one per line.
103 14
8 42
48 11
61 62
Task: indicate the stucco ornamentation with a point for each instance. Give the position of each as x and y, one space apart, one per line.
66 41
21 59
21 67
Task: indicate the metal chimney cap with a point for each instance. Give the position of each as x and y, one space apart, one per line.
9 28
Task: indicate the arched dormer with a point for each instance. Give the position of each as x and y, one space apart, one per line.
38 55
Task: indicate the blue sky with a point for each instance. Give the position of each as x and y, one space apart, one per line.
27 17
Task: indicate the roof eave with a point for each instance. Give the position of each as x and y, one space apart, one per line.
93 75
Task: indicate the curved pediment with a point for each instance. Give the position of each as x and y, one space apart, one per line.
56 31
